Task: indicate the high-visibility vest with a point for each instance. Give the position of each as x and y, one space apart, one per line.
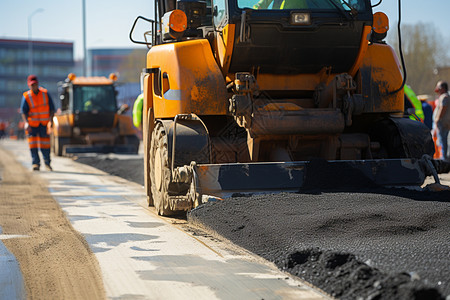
137 110
291 4
39 112
416 103
281 4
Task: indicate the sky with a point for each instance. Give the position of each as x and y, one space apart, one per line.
108 22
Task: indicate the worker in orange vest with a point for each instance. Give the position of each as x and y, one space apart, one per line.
2 129
37 112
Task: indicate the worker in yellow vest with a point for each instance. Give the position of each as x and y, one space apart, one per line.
137 111
281 4
37 110
414 105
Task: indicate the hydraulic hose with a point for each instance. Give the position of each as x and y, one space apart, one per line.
400 48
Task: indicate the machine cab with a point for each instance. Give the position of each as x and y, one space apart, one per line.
274 36
294 36
91 101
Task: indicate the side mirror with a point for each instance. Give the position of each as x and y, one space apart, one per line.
123 109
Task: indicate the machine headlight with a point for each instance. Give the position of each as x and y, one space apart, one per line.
300 18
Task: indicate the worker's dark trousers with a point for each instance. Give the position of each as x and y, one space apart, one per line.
39 139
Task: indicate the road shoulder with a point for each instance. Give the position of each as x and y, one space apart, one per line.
55 260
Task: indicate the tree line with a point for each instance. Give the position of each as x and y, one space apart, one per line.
426 55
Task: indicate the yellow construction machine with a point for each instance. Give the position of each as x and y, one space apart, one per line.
261 96
90 119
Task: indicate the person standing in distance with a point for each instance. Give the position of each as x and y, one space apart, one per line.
137 111
441 117
37 112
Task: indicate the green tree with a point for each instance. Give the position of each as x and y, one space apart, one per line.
424 51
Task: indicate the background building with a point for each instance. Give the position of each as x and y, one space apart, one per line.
52 61
125 63
102 62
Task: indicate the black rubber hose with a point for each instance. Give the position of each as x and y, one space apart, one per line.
400 48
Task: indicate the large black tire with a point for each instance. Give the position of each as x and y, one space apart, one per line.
160 171
402 138
386 133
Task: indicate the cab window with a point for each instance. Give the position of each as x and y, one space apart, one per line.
346 5
219 12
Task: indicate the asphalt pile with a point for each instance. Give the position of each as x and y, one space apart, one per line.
381 244
129 169
342 276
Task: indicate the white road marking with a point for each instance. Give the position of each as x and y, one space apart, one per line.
12 236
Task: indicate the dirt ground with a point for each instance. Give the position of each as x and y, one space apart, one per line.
365 244
55 260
